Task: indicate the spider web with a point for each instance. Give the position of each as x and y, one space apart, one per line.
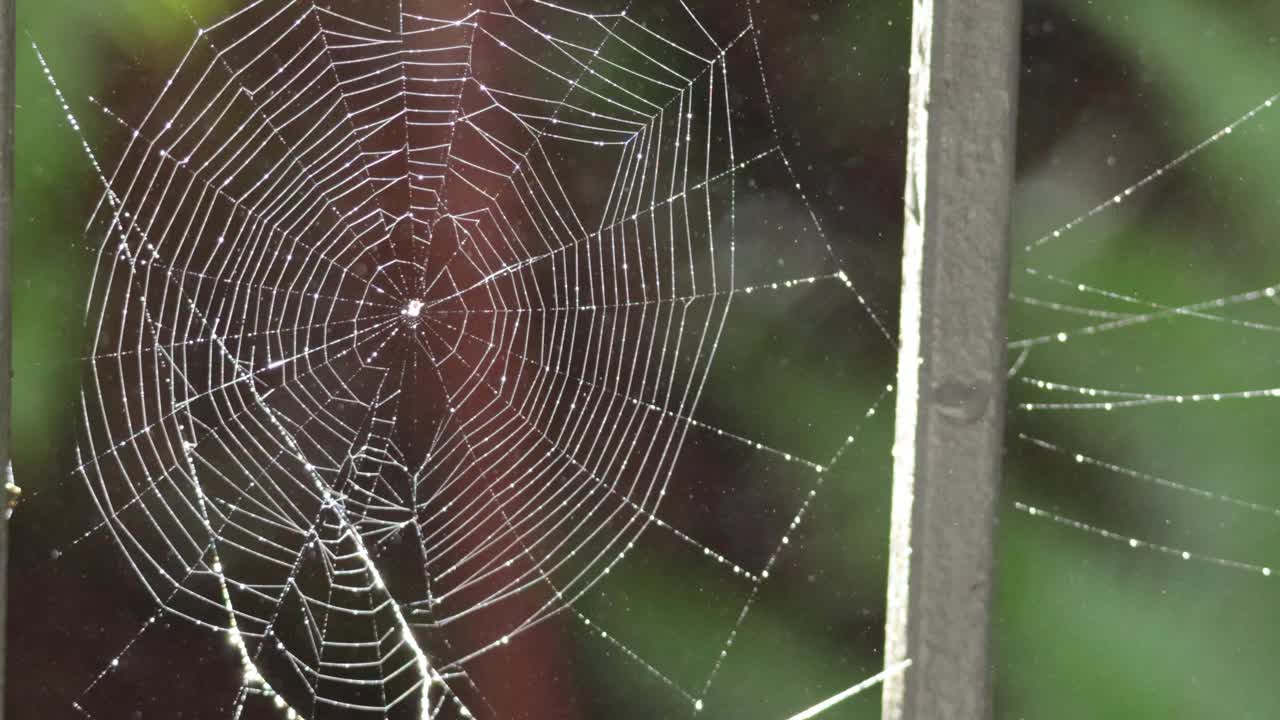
1141 384
401 318
1071 313
1140 462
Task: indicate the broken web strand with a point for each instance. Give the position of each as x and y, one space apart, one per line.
1138 312
254 680
380 333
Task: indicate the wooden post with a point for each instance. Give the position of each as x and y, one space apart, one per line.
951 366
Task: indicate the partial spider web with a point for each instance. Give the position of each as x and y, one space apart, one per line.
1090 315
1142 381
402 320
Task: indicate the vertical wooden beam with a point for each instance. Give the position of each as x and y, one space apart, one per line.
7 99
951 365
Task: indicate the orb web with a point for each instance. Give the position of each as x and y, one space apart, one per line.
401 318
